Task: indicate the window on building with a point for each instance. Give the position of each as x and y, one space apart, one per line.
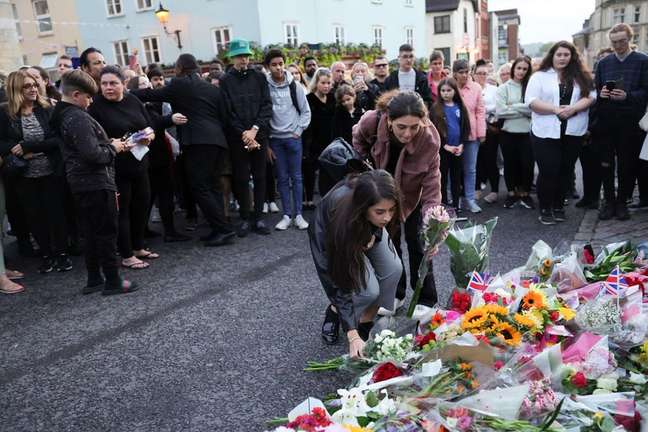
502 36
114 7
121 52
618 15
42 14
637 14
442 24
409 36
338 34
15 17
151 47
635 38
291 35
144 5
502 56
222 37
378 36
446 55
465 20
409 3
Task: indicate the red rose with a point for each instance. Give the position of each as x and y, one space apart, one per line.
588 258
386 371
499 364
311 422
554 316
422 340
579 380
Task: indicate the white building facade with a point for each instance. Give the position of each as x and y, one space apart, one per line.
452 29
206 26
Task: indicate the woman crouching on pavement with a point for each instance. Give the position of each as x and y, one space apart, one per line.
354 257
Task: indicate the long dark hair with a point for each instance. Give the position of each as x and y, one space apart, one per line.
525 80
574 71
438 113
399 104
349 231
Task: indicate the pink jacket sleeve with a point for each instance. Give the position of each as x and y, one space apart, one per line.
480 115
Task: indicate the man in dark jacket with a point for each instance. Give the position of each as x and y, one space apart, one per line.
408 78
89 158
202 140
249 107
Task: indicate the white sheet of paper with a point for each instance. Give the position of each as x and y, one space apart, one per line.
644 150
139 151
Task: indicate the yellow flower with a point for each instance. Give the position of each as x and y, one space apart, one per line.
524 320
643 357
567 313
474 319
644 347
351 428
508 334
495 309
465 366
534 299
598 417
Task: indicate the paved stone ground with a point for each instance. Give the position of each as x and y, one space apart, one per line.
600 233
215 340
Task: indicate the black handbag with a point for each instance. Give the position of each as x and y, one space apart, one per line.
14 166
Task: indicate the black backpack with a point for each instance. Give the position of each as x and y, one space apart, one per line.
293 95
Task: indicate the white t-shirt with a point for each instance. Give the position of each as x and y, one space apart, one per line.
407 80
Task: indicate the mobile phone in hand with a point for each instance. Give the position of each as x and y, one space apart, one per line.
610 84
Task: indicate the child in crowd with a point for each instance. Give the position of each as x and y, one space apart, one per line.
451 120
346 112
90 169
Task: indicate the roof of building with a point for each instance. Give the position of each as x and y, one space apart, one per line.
507 12
445 5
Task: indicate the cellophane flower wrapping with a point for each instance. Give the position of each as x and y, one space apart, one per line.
603 315
469 249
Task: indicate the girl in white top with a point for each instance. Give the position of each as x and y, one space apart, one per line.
559 96
487 169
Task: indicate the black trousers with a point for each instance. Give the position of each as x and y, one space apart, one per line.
412 226
487 169
203 167
591 164
518 161
15 212
42 201
621 140
271 183
98 221
162 189
134 200
451 166
556 159
245 163
71 216
309 170
183 189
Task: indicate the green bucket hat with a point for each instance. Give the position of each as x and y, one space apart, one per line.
239 47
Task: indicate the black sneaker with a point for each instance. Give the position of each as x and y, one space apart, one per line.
95 284
622 212
260 227
546 217
607 212
243 229
63 263
331 327
124 287
46 266
559 215
527 202
511 201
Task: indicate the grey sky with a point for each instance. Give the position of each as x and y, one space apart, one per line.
547 20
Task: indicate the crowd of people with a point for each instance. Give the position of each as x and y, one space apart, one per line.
92 158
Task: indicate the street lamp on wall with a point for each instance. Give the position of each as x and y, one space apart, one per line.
162 15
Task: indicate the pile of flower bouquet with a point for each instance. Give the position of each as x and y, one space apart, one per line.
555 345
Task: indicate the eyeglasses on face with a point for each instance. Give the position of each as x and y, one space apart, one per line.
29 86
381 65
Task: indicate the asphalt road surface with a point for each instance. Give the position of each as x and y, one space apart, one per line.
215 340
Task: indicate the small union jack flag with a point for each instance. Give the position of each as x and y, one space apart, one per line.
615 284
479 281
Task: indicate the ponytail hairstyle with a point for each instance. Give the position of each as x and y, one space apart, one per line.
399 104
438 111
349 231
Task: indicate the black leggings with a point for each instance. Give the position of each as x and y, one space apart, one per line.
42 201
162 189
451 165
556 159
518 161
309 170
591 165
271 183
245 163
487 169
134 198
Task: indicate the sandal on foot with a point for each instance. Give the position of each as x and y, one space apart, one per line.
148 255
12 288
14 274
137 265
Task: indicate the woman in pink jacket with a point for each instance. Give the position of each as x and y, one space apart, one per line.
471 92
400 139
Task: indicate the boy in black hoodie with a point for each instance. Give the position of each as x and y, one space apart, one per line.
89 158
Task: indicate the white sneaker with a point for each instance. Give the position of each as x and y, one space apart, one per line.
265 208
491 198
155 215
300 222
472 206
273 207
284 223
397 305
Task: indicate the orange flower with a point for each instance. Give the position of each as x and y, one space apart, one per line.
533 299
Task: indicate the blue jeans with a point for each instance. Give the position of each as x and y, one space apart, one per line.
469 159
288 153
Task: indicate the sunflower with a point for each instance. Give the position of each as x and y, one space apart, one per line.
531 320
495 309
524 321
509 334
567 313
474 319
534 299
